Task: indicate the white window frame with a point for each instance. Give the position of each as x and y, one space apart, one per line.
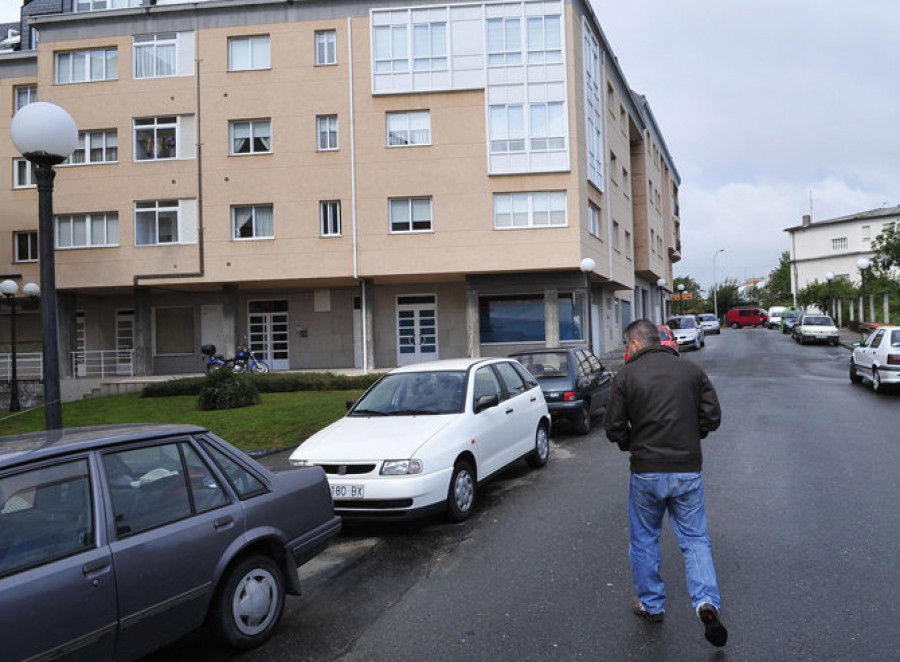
543 35
327 133
839 244
404 128
594 223
504 41
257 130
507 128
408 212
326 47
391 54
530 210
108 146
330 218
145 209
160 127
257 226
547 126
23 174
24 95
158 45
429 46
95 230
100 5
257 58
85 66
31 248
866 233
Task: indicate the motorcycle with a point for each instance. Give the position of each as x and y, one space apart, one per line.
245 361
215 361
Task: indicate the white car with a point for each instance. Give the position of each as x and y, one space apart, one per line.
687 331
709 323
423 437
877 358
815 328
775 313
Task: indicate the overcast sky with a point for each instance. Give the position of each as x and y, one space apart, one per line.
765 104
770 109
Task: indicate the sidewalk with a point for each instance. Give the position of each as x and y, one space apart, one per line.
849 337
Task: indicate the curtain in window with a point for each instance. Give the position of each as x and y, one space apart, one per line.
79 231
243 222
265 223
239 54
241 137
79 67
262 137
145 228
421 214
165 60
78 156
259 49
143 61
420 128
64 231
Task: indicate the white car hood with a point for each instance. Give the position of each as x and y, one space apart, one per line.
360 438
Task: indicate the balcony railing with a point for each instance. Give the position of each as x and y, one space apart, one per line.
103 363
29 365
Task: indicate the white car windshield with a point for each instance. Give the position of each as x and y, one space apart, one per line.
817 321
414 393
681 323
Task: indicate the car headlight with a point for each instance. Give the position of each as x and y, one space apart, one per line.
300 463
401 467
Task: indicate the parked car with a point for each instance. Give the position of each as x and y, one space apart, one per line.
115 541
815 328
424 436
687 331
709 323
665 338
775 313
575 384
789 318
877 358
746 316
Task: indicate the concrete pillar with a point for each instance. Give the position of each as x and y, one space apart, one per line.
473 340
886 309
840 321
143 333
551 316
230 320
368 319
65 320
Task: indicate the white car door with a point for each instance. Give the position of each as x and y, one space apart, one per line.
491 426
866 355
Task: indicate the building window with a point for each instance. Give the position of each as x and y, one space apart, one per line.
625 184
155 55
98 5
627 244
504 42
529 210
87 66
23 174
253 222
24 95
409 128
327 132
507 129
248 53
866 232
548 126
512 318
156 222
251 137
87 230
326 47
26 246
430 47
615 237
95 147
174 331
155 138
594 220
570 307
410 215
544 40
391 49
839 244
330 218
614 168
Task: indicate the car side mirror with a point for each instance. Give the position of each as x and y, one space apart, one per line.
486 402
349 404
857 344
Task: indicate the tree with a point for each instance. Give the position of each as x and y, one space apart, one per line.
727 294
886 251
690 286
777 291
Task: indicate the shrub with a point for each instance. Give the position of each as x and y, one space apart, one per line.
223 389
274 382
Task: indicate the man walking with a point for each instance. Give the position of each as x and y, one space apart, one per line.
660 407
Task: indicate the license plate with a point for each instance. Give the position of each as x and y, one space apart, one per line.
348 492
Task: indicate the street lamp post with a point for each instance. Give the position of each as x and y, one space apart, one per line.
587 266
681 296
830 277
46 135
863 264
715 285
9 289
661 284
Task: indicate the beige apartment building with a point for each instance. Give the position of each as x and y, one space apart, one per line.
340 184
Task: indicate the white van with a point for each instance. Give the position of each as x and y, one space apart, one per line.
775 313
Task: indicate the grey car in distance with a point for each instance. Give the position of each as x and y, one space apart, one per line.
115 541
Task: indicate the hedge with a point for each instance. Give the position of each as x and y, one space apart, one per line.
274 382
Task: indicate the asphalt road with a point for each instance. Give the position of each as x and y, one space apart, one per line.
802 492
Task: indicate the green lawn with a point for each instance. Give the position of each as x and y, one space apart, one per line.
280 420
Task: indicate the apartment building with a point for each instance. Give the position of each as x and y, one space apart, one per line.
834 245
341 184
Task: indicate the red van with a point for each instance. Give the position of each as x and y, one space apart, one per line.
747 316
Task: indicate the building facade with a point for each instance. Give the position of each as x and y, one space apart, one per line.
834 245
341 184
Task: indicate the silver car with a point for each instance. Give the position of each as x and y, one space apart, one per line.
877 358
118 540
815 328
709 323
687 331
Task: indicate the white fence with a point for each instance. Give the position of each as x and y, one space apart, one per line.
103 363
29 365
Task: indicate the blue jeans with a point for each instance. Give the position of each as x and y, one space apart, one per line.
649 496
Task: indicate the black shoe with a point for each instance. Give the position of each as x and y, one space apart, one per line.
715 632
639 610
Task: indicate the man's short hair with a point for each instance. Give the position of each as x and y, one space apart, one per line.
644 331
